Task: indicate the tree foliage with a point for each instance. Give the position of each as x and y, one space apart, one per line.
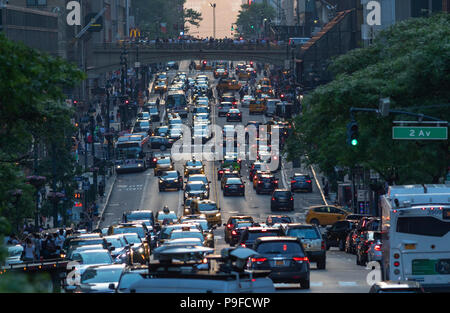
150 13
251 18
31 108
410 63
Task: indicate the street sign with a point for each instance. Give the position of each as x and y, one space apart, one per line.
419 133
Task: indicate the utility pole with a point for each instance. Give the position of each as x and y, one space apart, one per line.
213 5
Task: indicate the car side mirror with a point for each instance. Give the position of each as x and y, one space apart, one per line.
111 286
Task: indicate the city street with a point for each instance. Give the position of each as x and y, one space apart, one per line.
139 191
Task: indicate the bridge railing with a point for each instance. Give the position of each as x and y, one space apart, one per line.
45 265
195 46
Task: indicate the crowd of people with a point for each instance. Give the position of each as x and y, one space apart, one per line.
38 245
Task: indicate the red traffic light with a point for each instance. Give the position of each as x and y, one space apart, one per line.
204 62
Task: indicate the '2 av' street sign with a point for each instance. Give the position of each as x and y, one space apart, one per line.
419 133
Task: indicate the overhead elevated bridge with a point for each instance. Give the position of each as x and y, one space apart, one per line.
106 57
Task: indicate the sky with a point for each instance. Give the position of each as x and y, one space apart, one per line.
226 14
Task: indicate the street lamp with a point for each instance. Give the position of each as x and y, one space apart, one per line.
38 182
55 198
16 194
213 5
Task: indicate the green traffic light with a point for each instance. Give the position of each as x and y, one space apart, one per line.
354 142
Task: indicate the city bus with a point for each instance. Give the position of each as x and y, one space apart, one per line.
176 102
129 155
416 235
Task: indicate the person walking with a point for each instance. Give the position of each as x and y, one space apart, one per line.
29 253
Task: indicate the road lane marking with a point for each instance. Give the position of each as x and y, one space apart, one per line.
348 284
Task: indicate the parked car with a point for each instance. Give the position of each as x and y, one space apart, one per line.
311 238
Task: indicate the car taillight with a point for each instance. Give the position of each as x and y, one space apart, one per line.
300 259
377 248
242 186
233 232
322 245
293 181
230 225
275 181
226 186
243 245
259 182
220 172
259 260
273 198
292 198
308 181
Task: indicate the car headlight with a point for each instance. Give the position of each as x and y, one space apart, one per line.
218 214
118 166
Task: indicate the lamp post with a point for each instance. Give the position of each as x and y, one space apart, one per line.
55 198
92 112
16 194
38 182
213 5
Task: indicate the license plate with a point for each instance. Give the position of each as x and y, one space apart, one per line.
410 246
279 263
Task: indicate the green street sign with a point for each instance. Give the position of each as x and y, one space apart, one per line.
419 133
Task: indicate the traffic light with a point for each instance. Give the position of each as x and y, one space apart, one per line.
352 133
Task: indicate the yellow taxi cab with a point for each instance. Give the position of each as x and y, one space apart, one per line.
229 84
161 86
325 215
193 167
257 106
208 208
204 65
163 164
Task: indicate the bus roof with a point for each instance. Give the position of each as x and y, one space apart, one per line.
409 195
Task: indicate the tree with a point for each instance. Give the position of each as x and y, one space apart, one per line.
31 98
250 18
410 63
151 13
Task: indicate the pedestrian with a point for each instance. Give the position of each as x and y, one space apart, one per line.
101 189
29 253
37 244
48 247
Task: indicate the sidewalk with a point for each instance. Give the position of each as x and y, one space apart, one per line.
103 202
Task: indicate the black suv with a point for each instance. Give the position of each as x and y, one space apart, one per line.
267 183
301 182
282 199
250 234
285 257
170 179
336 234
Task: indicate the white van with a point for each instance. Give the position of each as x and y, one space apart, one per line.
231 277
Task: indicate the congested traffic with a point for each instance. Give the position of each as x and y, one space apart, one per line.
203 186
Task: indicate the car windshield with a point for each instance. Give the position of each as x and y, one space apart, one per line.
132 238
136 216
303 233
79 243
252 236
234 181
116 242
95 258
104 275
186 234
137 230
198 178
207 207
280 247
195 187
244 224
280 219
202 223
170 175
127 279
163 161
162 216
193 163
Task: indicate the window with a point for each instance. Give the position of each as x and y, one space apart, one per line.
31 3
423 225
280 248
